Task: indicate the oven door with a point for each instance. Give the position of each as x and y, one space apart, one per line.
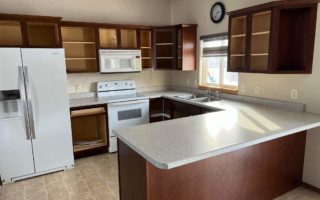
125 114
117 63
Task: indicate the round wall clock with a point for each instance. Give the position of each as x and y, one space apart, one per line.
217 12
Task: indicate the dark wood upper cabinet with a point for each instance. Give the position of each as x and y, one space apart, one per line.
164 45
30 31
186 47
80 43
175 47
277 37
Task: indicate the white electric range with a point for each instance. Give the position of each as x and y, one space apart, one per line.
126 107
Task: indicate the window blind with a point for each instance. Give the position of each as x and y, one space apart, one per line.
215 45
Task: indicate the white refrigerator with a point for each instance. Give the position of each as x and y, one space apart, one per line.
35 127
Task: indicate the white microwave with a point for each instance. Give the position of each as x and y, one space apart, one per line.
120 61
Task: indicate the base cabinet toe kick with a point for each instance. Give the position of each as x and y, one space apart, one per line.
262 171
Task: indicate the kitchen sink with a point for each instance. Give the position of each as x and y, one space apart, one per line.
205 99
191 97
198 98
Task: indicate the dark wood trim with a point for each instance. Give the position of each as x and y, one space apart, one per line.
29 18
274 4
311 187
104 25
138 38
24 33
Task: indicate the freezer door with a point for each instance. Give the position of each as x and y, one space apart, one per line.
15 150
46 85
16 158
10 60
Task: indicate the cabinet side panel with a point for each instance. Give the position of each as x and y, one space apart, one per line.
189 46
132 174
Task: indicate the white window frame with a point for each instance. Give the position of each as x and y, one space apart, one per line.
218 85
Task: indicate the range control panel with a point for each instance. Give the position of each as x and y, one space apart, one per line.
116 85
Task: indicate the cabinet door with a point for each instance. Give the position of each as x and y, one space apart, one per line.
164 44
260 41
237 43
186 47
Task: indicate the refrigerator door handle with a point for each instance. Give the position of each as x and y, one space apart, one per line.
24 102
29 99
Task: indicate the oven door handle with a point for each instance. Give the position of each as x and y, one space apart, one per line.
128 103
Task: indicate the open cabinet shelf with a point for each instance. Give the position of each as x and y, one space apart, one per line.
43 34
89 130
146 48
80 49
128 39
10 33
276 37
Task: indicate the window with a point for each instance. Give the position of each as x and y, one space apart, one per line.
214 69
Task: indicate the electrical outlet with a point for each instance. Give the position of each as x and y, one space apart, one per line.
154 81
257 90
195 83
78 87
243 88
294 94
188 81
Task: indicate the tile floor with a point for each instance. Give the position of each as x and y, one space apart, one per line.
93 178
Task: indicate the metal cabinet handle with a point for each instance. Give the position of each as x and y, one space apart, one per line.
24 102
29 100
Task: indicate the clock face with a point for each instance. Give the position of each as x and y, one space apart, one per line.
217 12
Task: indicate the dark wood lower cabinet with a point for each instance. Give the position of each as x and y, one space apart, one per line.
263 171
180 110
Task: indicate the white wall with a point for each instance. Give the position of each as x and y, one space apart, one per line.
139 12
271 86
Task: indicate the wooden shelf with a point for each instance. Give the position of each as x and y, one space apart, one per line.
65 42
164 44
81 58
78 149
145 58
145 47
238 36
260 54
261 33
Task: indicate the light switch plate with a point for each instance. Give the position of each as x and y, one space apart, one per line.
195 83
257 89
294 94
78 87
188 81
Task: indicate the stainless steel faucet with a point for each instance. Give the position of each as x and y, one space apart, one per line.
217 94
208 92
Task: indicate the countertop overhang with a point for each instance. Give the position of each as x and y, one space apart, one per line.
178 142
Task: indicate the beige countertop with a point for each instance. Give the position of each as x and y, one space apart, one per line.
174 143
